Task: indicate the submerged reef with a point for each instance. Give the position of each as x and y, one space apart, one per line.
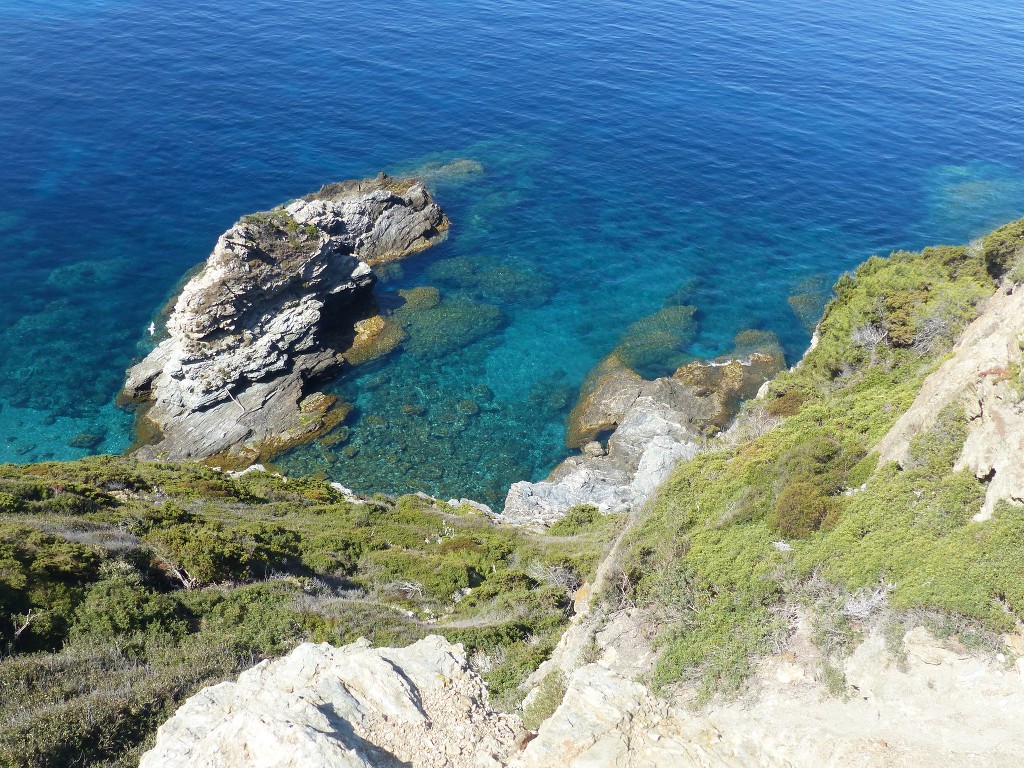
281 305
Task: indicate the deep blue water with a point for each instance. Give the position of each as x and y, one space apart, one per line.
725 154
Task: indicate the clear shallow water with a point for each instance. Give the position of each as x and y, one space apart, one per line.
726 154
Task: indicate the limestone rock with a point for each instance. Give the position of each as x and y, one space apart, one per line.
981 375
942 710
350 707
280 305
653 426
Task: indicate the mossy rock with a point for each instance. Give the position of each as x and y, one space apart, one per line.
735 378
808 300
450 326
654 346
509 285
88 441
375 337
420 298
458 271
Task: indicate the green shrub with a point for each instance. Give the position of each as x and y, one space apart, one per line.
1003 249
801 510
579 519
545 701
9 503
785 404
435 581
210 554
120 606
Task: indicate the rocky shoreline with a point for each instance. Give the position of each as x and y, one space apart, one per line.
633 432
282 304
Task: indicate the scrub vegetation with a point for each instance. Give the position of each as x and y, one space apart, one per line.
793 499
125 586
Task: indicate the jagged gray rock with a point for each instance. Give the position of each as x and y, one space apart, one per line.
273 312
654 425
350 707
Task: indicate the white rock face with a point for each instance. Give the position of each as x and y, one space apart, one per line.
261 322
978 375
421 707
945 710
351 707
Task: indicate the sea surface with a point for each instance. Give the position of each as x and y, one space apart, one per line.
736 156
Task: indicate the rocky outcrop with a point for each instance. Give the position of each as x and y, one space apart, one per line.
422 707
281 304
350 707
938 708
606 395
984 376
650 426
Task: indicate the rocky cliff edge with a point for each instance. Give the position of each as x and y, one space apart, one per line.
423 707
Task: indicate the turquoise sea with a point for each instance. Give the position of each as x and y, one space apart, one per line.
729 154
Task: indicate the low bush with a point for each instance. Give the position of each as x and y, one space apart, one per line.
546 700
801 510
149 580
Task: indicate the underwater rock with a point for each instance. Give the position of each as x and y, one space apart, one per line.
653 425
653 345
809 299
273 312
514 286
491 279
420 298
608 392
453 172
451 325
89 440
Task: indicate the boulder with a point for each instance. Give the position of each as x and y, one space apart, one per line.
606 395
282 304
350 707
